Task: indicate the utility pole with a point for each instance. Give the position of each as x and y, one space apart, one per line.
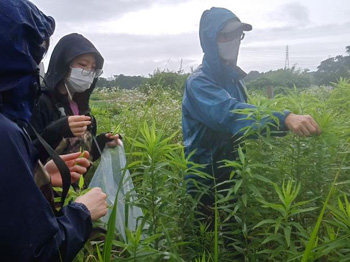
286 62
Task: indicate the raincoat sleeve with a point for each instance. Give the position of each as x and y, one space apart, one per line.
29 231
213 106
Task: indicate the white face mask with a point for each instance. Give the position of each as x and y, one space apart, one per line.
228 51
79 80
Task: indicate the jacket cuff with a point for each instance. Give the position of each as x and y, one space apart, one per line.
98 145
282 119
76 219
83 207
61 127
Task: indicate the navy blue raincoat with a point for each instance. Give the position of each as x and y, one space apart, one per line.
29 230
212 91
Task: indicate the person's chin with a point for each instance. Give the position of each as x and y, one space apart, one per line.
230 62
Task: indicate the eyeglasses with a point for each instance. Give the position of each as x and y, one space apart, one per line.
229 36
98 72
95 73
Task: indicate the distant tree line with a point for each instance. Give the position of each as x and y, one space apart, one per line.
279 79
121 81
329 71
159 79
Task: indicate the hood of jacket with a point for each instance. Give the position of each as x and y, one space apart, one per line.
23 29
212 22
69 47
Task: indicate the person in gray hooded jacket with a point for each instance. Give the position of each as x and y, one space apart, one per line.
213 91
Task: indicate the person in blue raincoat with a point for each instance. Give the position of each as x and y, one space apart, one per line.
29 230
212 92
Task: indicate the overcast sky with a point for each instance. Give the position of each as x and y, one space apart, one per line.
138 36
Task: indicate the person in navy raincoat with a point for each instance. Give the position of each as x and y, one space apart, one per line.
29 230
212 92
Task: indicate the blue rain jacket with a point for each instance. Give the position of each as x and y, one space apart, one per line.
19 58
29 231
212 91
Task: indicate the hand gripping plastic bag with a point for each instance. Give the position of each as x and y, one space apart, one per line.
108 176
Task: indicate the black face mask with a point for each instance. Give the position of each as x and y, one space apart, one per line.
38 52
35 89
18 103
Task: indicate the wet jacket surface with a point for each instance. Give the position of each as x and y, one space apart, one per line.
212 91
50 116
29 231
28 228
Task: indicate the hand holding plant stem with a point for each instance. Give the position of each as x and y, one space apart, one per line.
302 125
95 202
115 140
78 124
77 163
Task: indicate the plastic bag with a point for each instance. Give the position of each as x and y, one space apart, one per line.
108 176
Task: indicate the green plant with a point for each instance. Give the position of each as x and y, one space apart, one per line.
280 184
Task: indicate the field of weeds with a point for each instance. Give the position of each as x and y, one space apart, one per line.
290 196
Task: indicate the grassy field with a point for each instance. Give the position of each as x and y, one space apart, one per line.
290 195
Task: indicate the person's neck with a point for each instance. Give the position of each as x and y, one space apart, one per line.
230 63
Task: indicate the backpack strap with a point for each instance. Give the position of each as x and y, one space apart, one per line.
61 165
